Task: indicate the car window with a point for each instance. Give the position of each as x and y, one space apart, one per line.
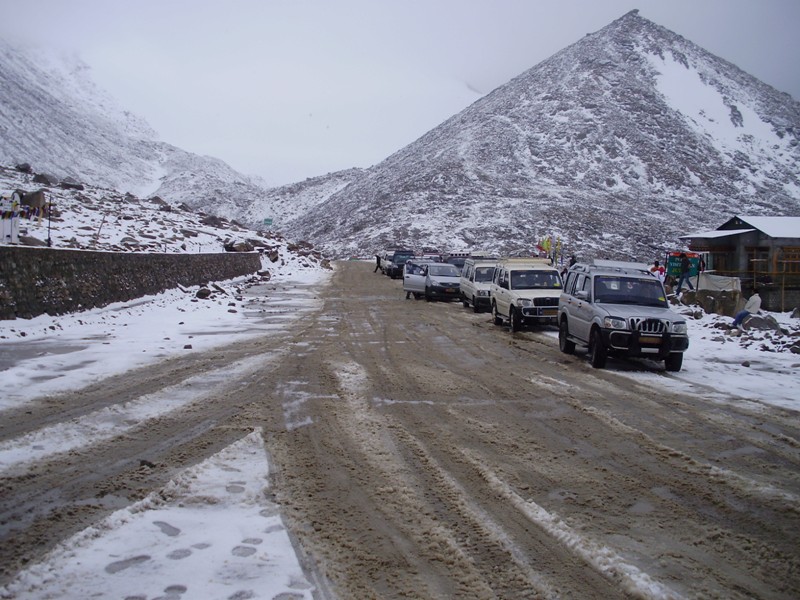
629 290
443 270
484 274
533 279
585 285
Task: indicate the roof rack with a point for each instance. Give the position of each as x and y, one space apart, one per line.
617 266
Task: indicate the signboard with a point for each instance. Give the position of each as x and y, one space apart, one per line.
267 222
674 264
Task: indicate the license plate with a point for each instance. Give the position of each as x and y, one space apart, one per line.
649 340
550 312
449 291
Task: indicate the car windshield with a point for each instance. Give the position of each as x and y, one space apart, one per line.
629 290
532 279
443 270
484 274
401 257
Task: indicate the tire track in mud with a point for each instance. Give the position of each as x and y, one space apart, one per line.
580 449
417 450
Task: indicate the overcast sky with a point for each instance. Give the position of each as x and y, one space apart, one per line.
289 89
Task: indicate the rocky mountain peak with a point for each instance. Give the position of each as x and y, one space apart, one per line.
617 144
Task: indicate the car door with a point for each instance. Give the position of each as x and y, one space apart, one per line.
414 277
581 309
500 291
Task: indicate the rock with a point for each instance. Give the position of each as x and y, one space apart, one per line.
71 184
746 363
24 168
761 323
273 256
29 240
238 246
796 313
187 347
45 179
203 293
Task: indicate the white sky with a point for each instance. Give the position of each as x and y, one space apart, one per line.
289 89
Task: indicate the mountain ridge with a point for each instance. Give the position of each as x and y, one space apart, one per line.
583 146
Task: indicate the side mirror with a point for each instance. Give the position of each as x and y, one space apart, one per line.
582 295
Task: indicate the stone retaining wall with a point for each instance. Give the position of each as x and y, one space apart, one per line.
35 281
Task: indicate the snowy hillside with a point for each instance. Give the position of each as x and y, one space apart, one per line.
104 219
55 119
618 144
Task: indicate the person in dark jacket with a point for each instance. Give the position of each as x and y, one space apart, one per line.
377 263
686 266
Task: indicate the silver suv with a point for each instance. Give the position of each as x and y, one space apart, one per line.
619 308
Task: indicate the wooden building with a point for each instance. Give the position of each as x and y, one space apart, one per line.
764 251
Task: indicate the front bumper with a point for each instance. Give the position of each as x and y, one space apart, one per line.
450 293
539 313
651 345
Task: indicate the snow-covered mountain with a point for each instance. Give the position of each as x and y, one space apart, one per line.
58 121
617 144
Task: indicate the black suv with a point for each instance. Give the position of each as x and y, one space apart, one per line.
393 262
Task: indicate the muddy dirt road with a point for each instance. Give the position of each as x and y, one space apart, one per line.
419 451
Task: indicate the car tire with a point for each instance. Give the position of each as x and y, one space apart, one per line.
464 301
674 362
417 295
427 295
514 320
597 351
498 320
564 344
475 305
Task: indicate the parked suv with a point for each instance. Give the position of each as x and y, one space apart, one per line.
525 291
393 260
619 308
476 283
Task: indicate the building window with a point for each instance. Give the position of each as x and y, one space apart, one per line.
789 261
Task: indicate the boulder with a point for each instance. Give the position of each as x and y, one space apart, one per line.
24 168
238 246
761 323
715 301
203 293
45 179
71 184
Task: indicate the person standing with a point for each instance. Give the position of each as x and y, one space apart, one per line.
377 263
658 271
753 305
686 267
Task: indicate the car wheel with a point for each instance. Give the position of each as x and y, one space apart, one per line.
498 320
564 344
674 361
417 295
514 320
428 295
464 301
597 351
475 305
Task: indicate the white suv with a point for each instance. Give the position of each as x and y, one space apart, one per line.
476 283
525 291
619 308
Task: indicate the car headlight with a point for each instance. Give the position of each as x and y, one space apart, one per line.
614 323
680 327
483 292
524 302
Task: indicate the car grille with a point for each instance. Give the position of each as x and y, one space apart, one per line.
648 325
545 301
